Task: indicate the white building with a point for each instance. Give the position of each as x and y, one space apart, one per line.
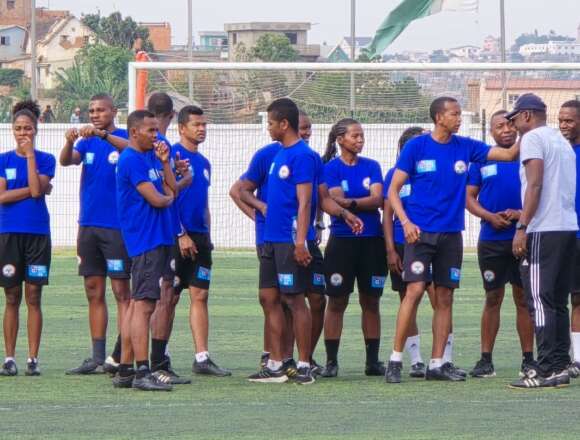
465 52
12 42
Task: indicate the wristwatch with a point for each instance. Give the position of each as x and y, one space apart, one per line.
353 205
105 135
521 226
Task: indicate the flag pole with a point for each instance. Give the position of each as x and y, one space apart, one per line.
503 53
352 53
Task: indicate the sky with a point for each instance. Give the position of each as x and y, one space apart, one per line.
331 18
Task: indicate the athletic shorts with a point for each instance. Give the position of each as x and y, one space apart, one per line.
498 265
442 251
576 280
194 272
102 252
24 257
147 273
277 262
397 283
363 259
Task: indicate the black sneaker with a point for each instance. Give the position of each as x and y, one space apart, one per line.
417 370
264 360
315 367
110 366
330 370
483 369
209 368
574 370
289 368
393 373
265 375
172 377
89 366
444 372
152 382
376 369
123 381
456 370
529 369
32 368
9 369
559 380
304 376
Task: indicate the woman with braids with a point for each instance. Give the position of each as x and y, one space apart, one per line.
25 247
355 183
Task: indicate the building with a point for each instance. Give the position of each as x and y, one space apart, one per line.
491 44
360 43
465 52
213 40
337 55
12 42
249 33
159 35
15 12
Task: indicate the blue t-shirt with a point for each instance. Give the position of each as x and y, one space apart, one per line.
398 232
143 226
500 187
355 182
438 176
257 173
98 181
577 151
193 200
28 216
292 166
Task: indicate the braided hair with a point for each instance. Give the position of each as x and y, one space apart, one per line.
338 129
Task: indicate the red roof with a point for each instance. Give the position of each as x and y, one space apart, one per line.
531 84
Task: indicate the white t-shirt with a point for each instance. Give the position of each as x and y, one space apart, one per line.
556 210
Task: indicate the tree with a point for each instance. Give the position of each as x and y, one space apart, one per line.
10 77
273 48
115 30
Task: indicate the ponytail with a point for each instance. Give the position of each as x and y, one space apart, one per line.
338 129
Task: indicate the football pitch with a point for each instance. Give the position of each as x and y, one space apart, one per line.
55 406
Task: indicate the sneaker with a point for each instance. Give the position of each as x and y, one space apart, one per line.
458 371
265 375
9 369
529 383
444 372
123 381
393 373
171 377
289 368
561 379
376 369
32 368
304 376
110 366
330 370
315 367
264 360
209 368
89 366
152 382
529 369
482 369
417 370
574 370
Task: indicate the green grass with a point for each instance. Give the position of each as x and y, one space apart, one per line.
351 406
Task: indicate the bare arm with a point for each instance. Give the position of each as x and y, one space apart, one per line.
235 195
497 220
153 197
504 154
16 195
411 231
169 179
388 226
247 196
328 205
33 180
369 203
118 142
68 156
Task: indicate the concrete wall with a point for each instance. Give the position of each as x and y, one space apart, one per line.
15 48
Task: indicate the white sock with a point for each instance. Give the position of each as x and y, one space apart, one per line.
435 363
29 360
303 364
167 351
448 354
413 347
201 356
576 345
265 353
274 365
9 358
396 356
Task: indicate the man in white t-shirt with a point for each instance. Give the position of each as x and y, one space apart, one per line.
545 238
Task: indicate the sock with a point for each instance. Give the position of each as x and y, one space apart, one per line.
274 365
116 355
202 356
448 354
396 356
9 358
576 345
413 347
303 364
486 357
286 360
372 348
435 363
142 369
126 370
331 349
157 352
528 356
29 360
99 350
265 354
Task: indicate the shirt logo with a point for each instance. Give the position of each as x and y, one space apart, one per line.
9 271
176 281
286 279
284 172
113 157
336 279
460 167
89 158
344 185
272 168
203 273
318 279
455 274
36 271
378 282
10 173
206 174
417 267
405 191
153 176
115 266
489 276
366 183
172 264
488 171
426 166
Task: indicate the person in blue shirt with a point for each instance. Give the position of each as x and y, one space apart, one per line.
569 122
25 175
193 258
493 195
143 201
436 166
356 184
100 248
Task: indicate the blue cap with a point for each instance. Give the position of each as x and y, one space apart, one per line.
527 101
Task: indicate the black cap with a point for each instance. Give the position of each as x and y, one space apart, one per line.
528 101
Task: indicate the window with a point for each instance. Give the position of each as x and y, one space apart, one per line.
5 41
85 40
234 38
512 98
10 4
292 36
63 38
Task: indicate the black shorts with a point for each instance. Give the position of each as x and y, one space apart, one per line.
277 262
442 251
102 252
147 273
397 283
24 257
267 278
194 272
360 258
498 265
576 280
